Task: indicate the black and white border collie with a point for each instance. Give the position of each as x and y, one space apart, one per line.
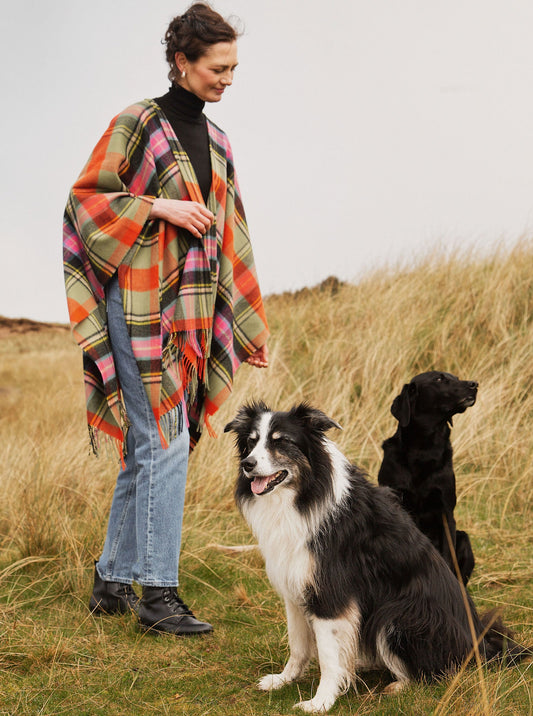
363 587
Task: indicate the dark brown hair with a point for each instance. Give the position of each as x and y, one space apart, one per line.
194 32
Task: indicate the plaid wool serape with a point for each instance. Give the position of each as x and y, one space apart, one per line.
193 306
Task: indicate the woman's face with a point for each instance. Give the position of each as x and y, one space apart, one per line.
211 73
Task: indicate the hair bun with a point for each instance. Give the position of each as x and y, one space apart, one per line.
194 32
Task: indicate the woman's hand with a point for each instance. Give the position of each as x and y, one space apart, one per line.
189 215
259 359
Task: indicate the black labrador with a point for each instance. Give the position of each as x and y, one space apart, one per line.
417 460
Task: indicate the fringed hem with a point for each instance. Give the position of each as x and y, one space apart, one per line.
187 350
99 438
169 426
209 427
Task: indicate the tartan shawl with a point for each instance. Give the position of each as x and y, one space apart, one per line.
192 306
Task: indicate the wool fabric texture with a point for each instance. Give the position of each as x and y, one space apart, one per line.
192 305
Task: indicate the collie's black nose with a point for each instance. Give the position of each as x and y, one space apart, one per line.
248 463
473 384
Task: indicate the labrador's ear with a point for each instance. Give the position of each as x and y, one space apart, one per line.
403 404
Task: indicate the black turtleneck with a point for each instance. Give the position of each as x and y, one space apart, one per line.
184 111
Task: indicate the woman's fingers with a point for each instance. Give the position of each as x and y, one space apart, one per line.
201 218
189 215
192 216
259 359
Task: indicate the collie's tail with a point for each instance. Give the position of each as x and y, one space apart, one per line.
498 641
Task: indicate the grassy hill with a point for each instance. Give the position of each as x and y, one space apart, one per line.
347 349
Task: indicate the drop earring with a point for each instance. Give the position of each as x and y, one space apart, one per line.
182 74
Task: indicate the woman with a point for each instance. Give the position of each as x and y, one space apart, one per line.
164 301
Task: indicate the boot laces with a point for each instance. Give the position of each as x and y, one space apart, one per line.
127 591
177 605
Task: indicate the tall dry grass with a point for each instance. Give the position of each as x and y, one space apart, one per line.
347 349
350 351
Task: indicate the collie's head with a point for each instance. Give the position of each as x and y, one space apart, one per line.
283 451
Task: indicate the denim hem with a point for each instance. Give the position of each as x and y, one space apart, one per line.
113 578
159 583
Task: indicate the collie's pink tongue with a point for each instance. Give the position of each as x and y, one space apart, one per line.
260 484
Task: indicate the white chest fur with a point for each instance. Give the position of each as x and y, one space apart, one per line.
282 534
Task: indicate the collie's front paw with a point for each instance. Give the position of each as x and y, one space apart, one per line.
271 682
314 706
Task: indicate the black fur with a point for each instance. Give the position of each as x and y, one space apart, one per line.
368 551
417 459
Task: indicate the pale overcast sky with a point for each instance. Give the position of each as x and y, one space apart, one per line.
364 131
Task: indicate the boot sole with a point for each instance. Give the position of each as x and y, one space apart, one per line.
157 630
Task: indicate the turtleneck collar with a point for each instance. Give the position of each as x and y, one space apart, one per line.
184 104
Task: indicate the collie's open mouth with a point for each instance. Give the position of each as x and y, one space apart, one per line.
265 483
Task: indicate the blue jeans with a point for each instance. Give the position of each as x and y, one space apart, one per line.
144 530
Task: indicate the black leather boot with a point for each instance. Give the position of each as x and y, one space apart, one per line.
161 610
112 597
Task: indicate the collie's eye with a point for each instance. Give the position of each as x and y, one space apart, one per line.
280 438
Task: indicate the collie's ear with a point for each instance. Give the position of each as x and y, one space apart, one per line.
230 426
239 422
316 419
403 404
244 415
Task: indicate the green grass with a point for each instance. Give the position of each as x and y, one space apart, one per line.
58 659
348 351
